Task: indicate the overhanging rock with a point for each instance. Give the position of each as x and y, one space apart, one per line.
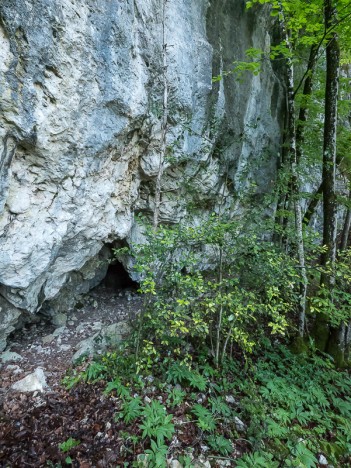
81 105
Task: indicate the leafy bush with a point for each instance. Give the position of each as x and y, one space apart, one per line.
209 286
335 304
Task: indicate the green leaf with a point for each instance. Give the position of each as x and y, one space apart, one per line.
68 444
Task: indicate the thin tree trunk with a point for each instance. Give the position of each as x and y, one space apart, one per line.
284 199
346 229
335 346
345 329
220 316
312 206
295 185
300 127
229 335
314 201
329 148
303 112
163 145
283 192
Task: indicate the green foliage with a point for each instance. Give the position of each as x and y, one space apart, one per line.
220 444
205 419
157 455
257 459
156 423
185 460
252 65
116 385
95 371
71 379
335 304
131 409
210 285
68 444
180 373
294 407
197 381
175 397
305 22
129 439
218 406
292 417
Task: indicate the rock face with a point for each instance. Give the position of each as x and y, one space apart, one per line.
80 113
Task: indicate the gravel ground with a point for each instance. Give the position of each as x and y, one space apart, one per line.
52 346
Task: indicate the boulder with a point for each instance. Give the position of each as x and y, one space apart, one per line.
32 382
108 336
8 356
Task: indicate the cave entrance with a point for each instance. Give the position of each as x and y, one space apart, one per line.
118 278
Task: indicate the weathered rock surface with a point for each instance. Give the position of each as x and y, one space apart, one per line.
107 336
8 356
80 113
9 317
32 382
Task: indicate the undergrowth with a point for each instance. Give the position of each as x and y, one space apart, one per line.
277 410
199 377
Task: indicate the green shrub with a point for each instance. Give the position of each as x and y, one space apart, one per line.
209 286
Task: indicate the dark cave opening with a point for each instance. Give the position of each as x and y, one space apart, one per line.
117 278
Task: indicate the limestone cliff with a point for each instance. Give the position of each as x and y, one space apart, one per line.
80 113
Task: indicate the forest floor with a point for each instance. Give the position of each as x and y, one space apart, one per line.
32 424
269 415
52 347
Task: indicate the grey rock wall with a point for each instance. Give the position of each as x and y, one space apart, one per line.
80 110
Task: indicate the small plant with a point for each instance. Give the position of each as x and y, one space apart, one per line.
95 371
197 381
180 373
205 419
175 397
156 455
257 459
116 385
129 440
68 445
71 379
186 461
177 373
131 409
156 423
220 444
218 406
